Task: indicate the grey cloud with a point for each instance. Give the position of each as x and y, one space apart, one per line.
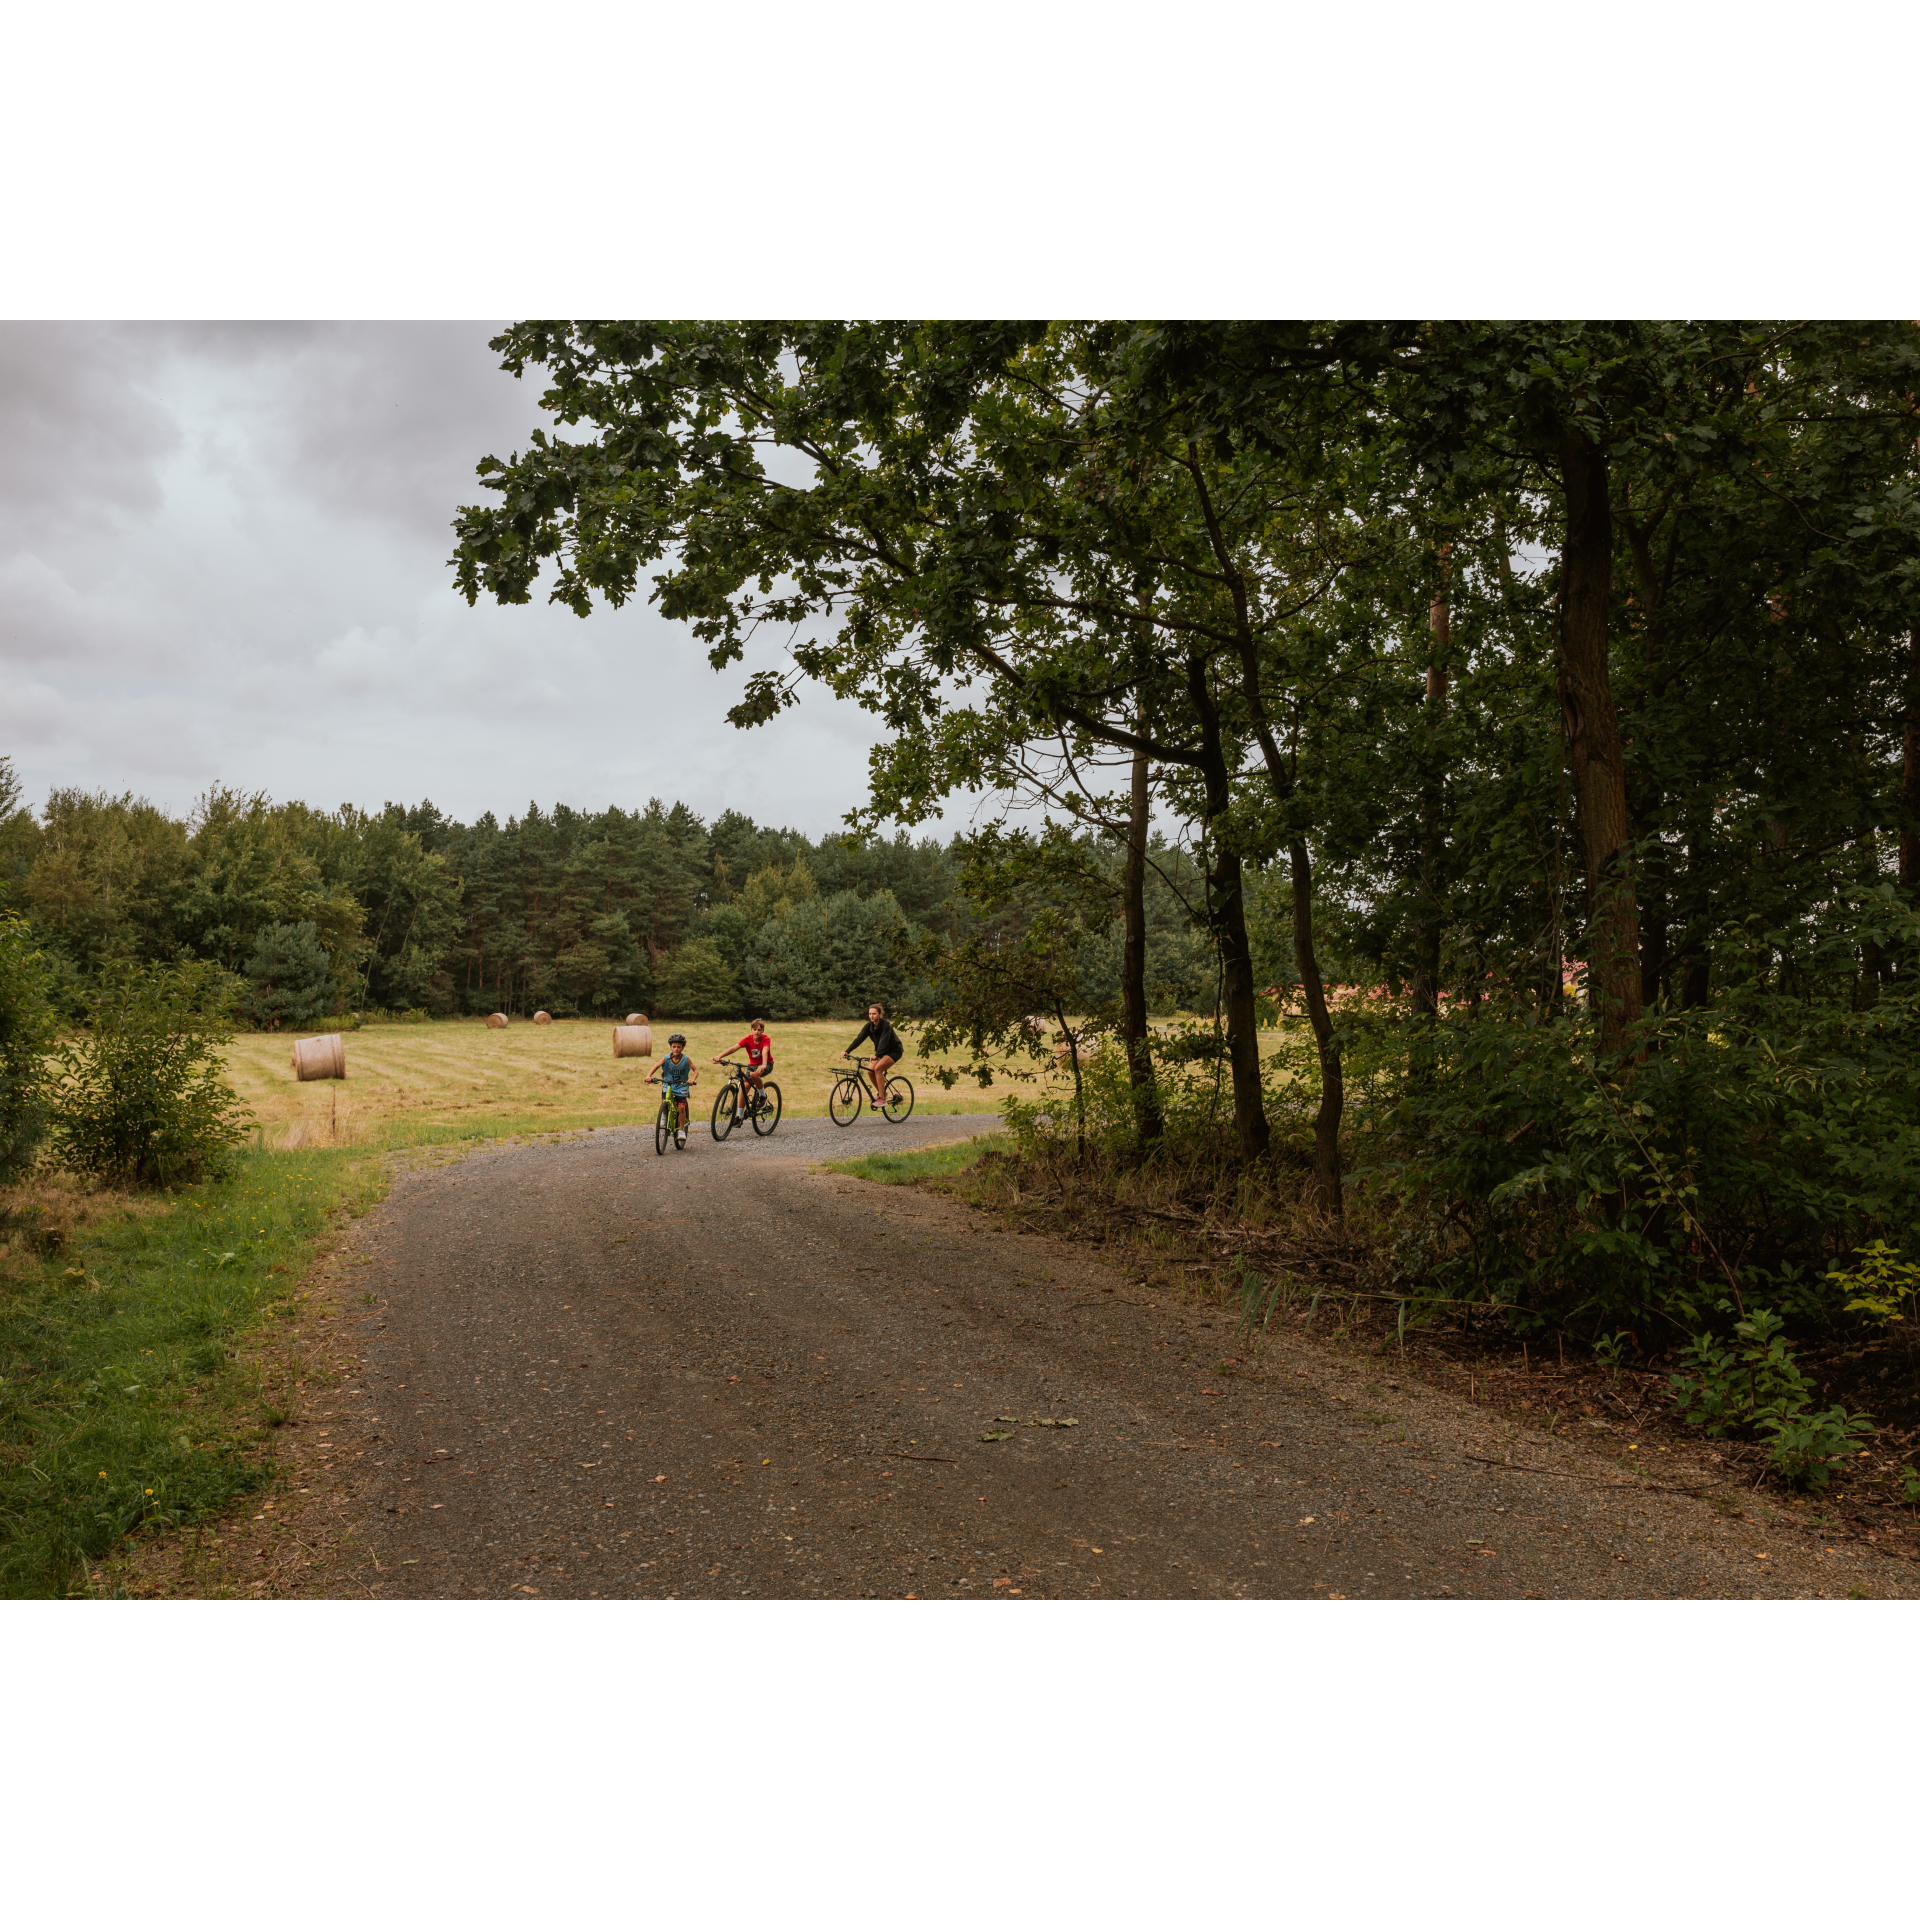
223 556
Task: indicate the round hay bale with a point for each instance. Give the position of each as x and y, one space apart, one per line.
636 1019
321 1056
543 1019
496 1019
632 1043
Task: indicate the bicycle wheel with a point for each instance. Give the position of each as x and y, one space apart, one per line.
726 1111
843 1103
899 1098
662 1126
766 1111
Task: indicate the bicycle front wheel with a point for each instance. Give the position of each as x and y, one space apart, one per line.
899 1098
726 1113
766 1111
843 1103
662 1126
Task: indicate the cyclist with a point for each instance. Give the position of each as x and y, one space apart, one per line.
886 1049
677 1075
759 1051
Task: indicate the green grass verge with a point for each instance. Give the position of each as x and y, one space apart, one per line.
126 1398
924 1163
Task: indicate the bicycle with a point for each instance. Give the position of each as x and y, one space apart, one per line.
666 1125
737 1100
850 1082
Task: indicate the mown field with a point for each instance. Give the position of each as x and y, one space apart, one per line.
452 1080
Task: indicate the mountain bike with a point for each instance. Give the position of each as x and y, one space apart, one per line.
850 1082
737 1101
665 1125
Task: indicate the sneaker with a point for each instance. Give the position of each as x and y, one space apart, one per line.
683 1136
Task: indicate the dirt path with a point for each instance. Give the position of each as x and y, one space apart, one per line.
558 1394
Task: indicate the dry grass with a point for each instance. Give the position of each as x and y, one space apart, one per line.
451 1080
46 1215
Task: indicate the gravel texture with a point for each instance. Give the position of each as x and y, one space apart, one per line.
592 1372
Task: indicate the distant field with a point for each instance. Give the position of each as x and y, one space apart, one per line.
453 1080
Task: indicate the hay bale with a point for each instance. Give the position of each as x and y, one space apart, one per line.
322 1056
632 1043
1063 1054
543 1019
496 1019
636 1019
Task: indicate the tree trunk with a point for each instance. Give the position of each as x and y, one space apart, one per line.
1227 920
1333 1091
1133 965
1910 771
1596 759
1426 971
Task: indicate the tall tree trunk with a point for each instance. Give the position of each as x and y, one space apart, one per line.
1133 963
1596 759
1227 920
1426 972
1333 1091
1910 771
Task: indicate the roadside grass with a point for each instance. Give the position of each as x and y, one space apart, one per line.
130 1393
923 1163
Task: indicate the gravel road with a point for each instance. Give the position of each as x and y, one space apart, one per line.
594 1372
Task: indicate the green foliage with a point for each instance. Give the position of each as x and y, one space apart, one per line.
697 984
1881 1285
288 974
1751 1146
1750 1383
121 1405
26 1033
143 1099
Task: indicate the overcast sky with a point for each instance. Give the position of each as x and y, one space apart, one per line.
223 557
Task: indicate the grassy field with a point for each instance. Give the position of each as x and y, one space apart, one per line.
447 1081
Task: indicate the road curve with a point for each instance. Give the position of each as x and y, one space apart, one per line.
595 1372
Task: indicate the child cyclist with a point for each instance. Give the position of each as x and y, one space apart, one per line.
677 1074
759 1051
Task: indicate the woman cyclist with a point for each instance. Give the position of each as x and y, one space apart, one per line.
886 1050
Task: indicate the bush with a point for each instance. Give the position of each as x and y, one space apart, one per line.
1752 1149
289 971
697 984
1751 1383
143 1100
26 1032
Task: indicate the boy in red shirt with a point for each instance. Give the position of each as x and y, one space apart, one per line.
759 1051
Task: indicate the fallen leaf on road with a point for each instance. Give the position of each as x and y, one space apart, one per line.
1306 1519
658 1477
996 1436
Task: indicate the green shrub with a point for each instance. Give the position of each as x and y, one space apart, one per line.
1751 1383
143 1100
26 1032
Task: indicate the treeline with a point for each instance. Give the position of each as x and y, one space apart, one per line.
324 914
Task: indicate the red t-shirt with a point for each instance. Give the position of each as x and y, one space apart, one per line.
759 1049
